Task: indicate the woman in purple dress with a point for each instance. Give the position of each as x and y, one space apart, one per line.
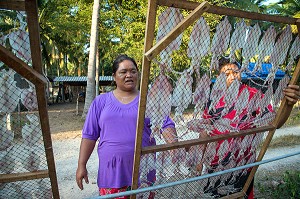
112 118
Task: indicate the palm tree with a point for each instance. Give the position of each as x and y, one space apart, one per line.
90 89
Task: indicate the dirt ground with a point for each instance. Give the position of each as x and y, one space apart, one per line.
66 125
64 120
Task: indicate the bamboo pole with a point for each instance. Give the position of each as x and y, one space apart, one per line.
189 143
188 5
173 34
5 178
21 67
34 37
150 28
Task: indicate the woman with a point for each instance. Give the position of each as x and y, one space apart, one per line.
241 120
112 119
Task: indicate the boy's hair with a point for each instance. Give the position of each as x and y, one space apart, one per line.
224 61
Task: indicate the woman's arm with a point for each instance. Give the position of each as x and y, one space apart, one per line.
86 149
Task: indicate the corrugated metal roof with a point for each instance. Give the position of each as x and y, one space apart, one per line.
80 78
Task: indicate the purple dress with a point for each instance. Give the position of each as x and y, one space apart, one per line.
114 124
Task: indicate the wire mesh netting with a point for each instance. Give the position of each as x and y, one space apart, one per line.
213 80
22 149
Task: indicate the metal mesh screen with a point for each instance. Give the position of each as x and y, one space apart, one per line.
21 149
187 87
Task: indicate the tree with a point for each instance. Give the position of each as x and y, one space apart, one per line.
90 89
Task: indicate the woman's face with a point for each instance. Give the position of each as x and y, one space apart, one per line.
126 76
232 72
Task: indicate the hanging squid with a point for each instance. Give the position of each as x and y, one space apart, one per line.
159 103
168 20
220 41
182 95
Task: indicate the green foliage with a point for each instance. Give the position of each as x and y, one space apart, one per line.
287 185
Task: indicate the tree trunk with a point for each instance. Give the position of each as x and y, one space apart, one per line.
97 72
90 88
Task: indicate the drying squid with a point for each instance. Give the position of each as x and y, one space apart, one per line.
29 99
223 149
6 135
9 92
10 190
237 40
217 91
159 102
220 41
265 47
266 100
45 189
278 95
194 155
279 53
201 94
19 41
281 47
168 20
231 95
182 95
31 133
294 52
241 103
7 161
147 164
199 43
251 45
31 160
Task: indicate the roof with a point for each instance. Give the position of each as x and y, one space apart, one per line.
82 80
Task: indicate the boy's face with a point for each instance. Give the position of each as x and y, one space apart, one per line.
232 72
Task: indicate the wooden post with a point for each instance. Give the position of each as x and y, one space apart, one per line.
35 47
150 28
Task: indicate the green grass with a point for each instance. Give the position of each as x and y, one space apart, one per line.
286 186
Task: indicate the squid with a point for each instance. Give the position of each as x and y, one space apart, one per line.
182 95
265 46
168 20
159 102
220 41
19 41
9 92
29 99
201 94
251 45
31 161
217 91
199 42
31 133
294 52
279 53
237 40
278 95
6 135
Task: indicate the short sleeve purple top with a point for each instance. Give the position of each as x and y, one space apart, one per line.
114 124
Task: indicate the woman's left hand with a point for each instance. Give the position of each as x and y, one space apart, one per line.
292 94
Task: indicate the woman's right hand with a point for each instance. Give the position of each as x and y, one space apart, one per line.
81 173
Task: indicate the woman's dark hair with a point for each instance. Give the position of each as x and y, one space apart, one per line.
120 59
223 61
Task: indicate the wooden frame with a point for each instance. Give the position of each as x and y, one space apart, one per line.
35 75
151 51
